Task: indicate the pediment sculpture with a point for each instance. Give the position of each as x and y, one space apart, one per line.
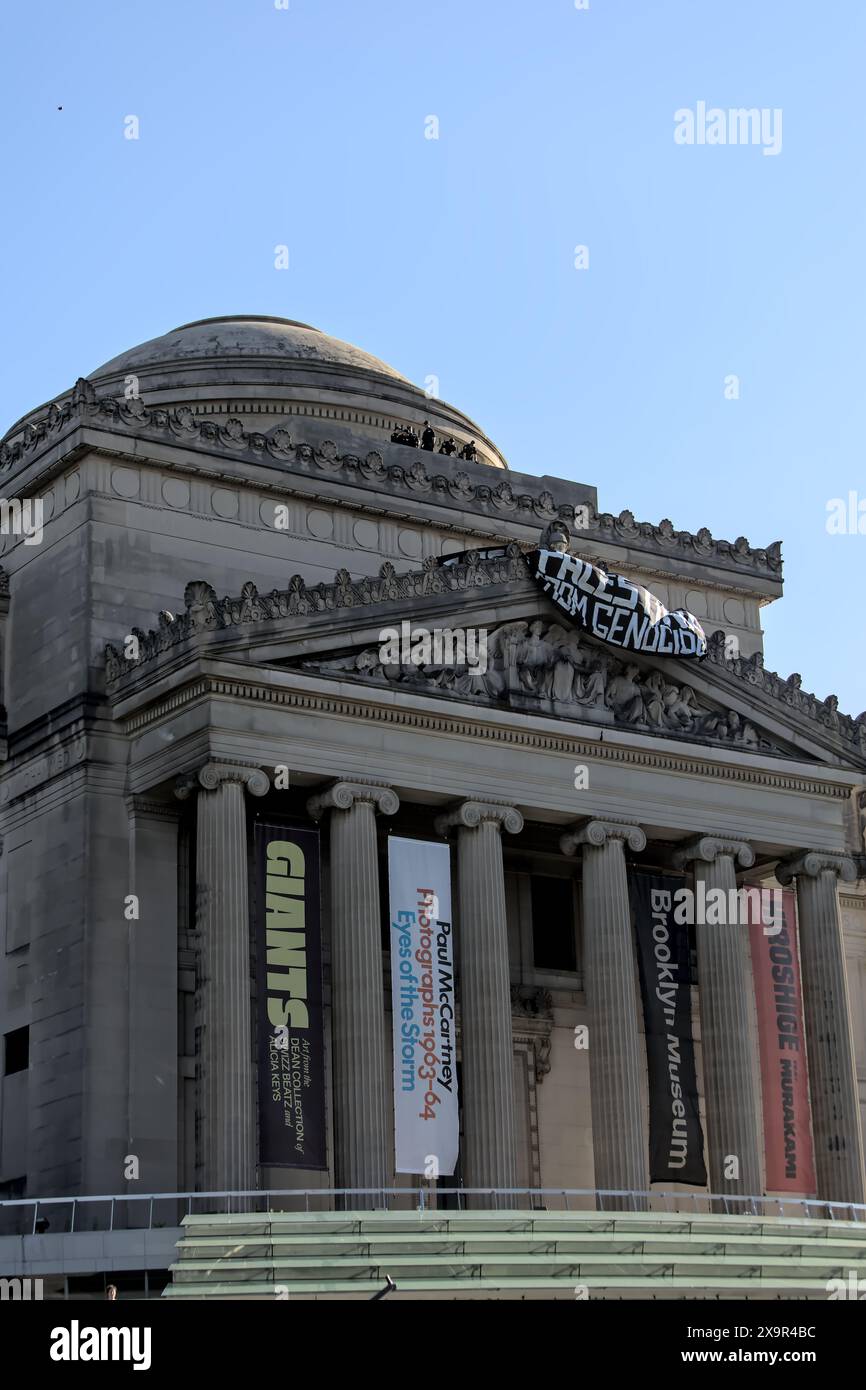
544 667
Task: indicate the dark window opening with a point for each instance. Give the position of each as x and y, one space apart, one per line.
16 1051
553 943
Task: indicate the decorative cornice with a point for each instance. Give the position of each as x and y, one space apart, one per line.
205 613
597 833
318 703
707 849
813 863
213 775
342 796
181 426
468 815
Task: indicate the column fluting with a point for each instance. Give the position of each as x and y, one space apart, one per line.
362 1125
827 1016
490 1150
619 1140
727 1046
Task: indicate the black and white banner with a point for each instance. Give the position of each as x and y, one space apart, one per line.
676 1141
614 609
426 1122
291 1056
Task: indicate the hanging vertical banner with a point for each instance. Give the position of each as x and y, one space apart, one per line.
781 1040
676 1141
291 1059
426 1125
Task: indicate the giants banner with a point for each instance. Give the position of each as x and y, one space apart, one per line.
291 1059
784 1076
676 1140
426 1126
615 610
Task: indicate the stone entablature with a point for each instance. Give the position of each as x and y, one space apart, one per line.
391 469
600 686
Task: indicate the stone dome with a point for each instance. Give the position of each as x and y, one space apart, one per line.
210 340
251 366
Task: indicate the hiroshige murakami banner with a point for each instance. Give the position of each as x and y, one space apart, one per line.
676 1140
781 1041
426 1126
291 1064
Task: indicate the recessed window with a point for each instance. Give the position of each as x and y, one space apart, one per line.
553 944
16 1051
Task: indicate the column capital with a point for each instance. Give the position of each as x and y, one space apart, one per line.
598 832
470 814
707 848
813 862
341 796
212 775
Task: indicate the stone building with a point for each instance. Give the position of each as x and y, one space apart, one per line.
229 526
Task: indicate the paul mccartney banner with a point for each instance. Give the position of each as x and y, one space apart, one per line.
291 1061
676 1140
614 609
782 1047
426 1125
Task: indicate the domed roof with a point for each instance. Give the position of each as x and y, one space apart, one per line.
249 336
268 371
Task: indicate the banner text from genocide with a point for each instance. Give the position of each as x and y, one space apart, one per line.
614 609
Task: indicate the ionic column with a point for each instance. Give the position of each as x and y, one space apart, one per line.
730 1065
827 1014
619 1140
227 1104
490 1151
362 1126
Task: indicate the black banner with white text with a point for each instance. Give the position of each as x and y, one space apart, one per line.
614 609
676 1141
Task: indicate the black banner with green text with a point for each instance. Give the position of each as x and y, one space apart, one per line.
291 1061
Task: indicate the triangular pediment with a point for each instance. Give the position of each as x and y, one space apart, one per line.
533 660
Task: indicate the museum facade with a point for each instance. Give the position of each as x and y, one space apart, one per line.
219 779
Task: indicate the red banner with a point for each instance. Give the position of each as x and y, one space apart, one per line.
784 1077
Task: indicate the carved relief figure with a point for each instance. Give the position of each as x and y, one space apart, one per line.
565 673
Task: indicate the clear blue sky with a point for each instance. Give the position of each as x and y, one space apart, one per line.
305 126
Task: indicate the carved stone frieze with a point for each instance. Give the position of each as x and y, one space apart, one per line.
413 478
533 665
205 611
545 668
